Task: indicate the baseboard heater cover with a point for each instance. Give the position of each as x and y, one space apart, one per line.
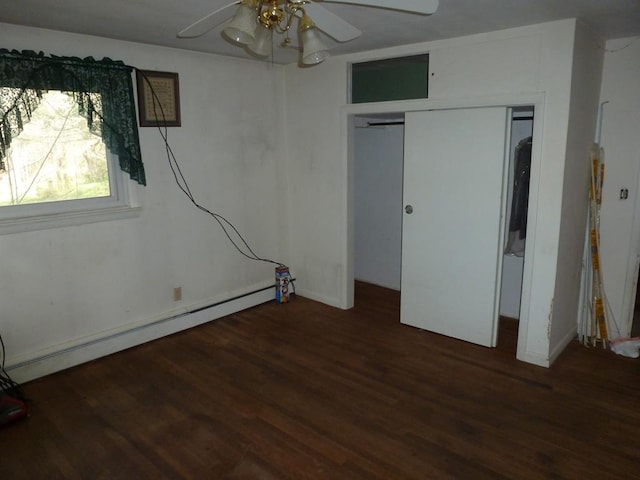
85 352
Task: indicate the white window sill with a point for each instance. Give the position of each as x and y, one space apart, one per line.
66 219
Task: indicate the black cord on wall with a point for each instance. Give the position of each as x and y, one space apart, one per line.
241 245
227 227
7 385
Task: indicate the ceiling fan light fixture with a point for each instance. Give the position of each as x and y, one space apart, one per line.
242 28
252 17
262 45
313 49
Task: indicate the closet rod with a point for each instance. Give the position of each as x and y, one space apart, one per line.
383 124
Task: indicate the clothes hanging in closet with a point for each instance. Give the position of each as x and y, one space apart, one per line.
520 199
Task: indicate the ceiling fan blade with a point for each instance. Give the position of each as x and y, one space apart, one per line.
206 23
424 7
331 24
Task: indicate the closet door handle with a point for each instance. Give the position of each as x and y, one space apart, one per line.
409 209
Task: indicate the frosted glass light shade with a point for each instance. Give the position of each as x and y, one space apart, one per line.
262 45
313 50
242 27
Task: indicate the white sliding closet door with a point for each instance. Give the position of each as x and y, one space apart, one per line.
452 226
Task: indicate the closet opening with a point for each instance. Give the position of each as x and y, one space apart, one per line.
378 179
378 143
517 191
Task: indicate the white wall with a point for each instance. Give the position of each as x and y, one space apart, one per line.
517 63
620 219
63 287
585 88
316 176
378 203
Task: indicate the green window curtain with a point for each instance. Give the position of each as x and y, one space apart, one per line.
114 118
16 107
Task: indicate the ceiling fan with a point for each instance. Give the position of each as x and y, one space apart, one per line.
255 21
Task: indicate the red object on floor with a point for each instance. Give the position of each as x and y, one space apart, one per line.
11 409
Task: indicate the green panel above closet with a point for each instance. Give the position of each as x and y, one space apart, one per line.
401 78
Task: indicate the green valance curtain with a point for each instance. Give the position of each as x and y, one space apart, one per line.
113 118
17 107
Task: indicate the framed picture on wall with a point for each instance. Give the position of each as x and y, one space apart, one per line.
158 98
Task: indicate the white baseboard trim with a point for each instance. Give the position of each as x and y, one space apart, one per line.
544 360
332 302
559 348
70 357
534 359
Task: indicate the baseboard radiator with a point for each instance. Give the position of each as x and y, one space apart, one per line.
84 352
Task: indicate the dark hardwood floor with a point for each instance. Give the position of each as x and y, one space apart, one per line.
306 391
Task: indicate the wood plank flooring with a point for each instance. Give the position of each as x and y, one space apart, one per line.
306 391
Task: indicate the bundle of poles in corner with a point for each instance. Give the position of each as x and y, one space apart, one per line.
598 325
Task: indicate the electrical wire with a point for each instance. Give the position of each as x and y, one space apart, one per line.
7 385
184 186
229 229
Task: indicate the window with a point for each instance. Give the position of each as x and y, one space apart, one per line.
55 157
67 132
401 78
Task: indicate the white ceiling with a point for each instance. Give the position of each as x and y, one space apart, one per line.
158 21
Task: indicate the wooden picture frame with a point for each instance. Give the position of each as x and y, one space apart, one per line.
158 98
